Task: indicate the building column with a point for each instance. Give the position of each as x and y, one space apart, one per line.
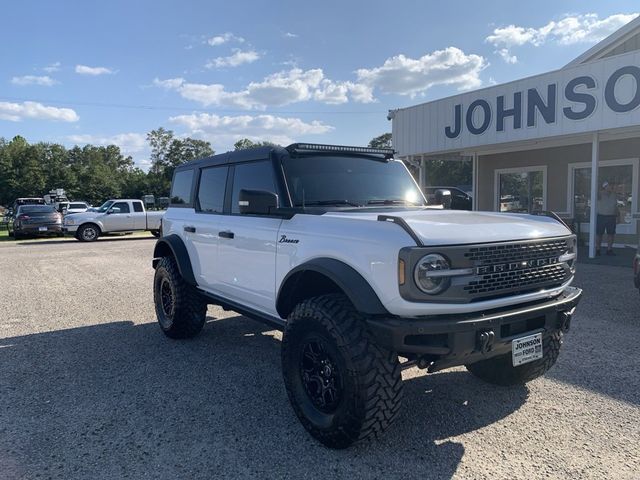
474 180
595 153
422 180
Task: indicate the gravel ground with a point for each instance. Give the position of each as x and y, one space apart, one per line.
91 389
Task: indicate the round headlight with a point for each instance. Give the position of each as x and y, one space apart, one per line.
430 274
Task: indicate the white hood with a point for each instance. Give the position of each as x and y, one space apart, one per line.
450 227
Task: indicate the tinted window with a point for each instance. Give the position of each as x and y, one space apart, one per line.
329 180
36 209
137 207
123 206
77 205
181 188
252 176
212 188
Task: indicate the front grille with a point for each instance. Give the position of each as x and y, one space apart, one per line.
513 252
517 267
520 279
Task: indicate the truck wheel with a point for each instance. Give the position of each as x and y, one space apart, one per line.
180 309
88 233
342 385
500 370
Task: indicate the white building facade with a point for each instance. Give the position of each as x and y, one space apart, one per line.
546 142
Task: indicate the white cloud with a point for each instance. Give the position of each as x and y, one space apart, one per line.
129 143
52 67
239 57
278 89
570 29
15 112
94 71
44 81
224 38
291 35
225 130
407 76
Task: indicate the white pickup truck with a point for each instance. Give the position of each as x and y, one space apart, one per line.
114 216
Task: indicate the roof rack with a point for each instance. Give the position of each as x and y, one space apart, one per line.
317 147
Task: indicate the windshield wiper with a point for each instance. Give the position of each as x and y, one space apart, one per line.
329 202
391 201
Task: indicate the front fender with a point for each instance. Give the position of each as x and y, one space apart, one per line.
354 286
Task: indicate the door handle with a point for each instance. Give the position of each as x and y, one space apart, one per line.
226 234
190 229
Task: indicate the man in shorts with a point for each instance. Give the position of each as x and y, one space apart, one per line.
607 217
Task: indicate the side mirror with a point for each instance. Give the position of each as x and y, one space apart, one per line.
443 197
257 202
113 210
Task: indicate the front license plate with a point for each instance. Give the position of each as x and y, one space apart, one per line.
42 229
526 349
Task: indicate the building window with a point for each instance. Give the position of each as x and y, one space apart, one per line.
621 175
521 190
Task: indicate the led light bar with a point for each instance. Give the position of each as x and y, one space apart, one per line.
316 147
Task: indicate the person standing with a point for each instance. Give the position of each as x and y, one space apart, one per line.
607 210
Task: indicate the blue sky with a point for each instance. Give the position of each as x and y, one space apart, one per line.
80 72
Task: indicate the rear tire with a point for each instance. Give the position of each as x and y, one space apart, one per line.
180 309
88 233
342 385
500 370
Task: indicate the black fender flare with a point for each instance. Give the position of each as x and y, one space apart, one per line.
354 285
174 244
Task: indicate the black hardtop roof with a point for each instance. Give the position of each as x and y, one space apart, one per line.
259 153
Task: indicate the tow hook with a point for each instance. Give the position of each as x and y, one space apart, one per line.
485 340
564 320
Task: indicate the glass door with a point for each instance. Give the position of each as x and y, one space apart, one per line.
620 175
521 191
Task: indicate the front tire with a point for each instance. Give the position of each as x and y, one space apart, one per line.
180 309
88 233
342 385
500 370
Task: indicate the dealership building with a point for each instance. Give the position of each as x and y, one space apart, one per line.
544 143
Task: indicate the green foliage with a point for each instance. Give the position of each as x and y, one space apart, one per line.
245 143
381 141
92 173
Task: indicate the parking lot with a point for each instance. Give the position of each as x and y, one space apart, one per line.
90 388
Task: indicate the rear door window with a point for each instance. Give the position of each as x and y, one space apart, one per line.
211 191
137 207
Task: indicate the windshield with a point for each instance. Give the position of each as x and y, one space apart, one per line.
105 206
349 181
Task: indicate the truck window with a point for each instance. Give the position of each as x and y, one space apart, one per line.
123 206
252 176
181 188
212 189
137 207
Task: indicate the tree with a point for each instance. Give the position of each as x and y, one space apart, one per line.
381 141
245 144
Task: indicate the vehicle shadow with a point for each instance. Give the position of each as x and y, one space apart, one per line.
28 242
119 399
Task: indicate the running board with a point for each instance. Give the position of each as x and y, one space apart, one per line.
226 304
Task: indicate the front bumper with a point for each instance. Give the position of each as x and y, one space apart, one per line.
449 340
70 228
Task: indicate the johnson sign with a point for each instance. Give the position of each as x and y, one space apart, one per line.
596 96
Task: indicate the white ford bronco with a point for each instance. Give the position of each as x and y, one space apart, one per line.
337 247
